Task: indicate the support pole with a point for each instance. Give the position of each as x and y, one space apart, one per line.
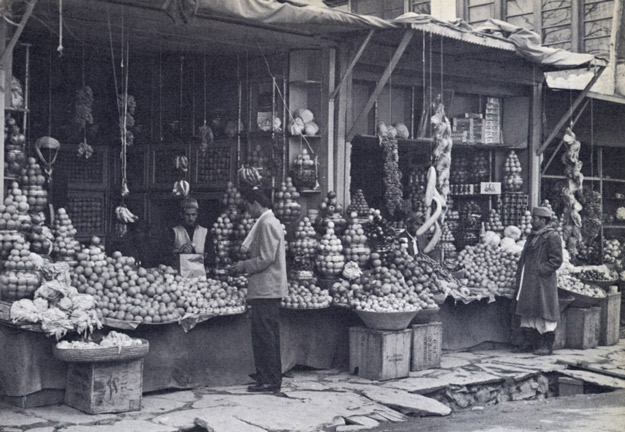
536 135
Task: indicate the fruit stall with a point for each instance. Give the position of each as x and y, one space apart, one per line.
90 188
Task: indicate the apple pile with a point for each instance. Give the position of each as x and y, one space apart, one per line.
568 282
65 244
354 242
20 279
330 260
243 227
330 211
384 290
304 248
286 206
447 241
306 294
491 267
32 181
222 231
13 213
232 196
359 205
494 222
304 171
341 291
40 236
14 141
378 231
526 223
512 180
7 240
611 251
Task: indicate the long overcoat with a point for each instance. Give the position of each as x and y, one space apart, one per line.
539 289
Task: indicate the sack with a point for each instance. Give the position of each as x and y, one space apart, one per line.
192 265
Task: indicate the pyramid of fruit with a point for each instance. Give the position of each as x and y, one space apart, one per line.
306 294
447 241
32 181
65 244
379 231
526 223
14 211
512 180
40 236
330 259
354 242
304 249
304 172
286 206
384 290
556 222
359 205
232 196
14 141
242 228
258 160
460 170
494 221
479 169
341 291
222 231
330 211
19 278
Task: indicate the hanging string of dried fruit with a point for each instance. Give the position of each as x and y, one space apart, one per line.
572 220
393 194
437 187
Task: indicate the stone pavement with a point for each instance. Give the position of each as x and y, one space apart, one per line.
334 400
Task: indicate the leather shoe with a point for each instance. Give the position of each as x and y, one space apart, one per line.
255 376
263 388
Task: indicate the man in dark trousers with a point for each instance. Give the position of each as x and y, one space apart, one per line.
267 285
537 295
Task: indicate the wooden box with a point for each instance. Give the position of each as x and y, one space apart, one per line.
609 321
560 337
379 354
108 387
582 327
427 340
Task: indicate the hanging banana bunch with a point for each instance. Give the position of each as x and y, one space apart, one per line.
250 176
181 187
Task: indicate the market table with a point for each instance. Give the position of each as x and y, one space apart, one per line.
216 352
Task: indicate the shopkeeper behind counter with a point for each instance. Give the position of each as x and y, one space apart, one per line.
189 237
409 236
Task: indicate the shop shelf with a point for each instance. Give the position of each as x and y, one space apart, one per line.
306 82
561 177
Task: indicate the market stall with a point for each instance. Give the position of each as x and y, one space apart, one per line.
207 117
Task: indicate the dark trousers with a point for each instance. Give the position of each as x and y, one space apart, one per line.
265 314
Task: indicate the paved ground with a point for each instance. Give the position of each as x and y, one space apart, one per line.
484 382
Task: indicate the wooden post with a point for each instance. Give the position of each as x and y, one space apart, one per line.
342 183
3 91
536 133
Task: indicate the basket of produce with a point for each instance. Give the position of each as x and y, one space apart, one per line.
118 347
599 275
386 320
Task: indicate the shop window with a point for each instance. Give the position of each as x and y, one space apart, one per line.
421 6
520 13
478 11
556 23
597 26
387 9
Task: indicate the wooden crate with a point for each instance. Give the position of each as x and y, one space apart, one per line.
379 354
427 340
582 327
107 387
609 321
560 337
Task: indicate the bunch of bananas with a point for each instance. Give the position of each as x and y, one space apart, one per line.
181 163
250 175
181 188
124 215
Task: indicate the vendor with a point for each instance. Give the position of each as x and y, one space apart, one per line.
409 235
189 237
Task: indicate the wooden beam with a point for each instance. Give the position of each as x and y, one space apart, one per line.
383 80
18 32
352 64
536 134
570 111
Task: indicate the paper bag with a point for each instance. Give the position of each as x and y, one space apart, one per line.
192 265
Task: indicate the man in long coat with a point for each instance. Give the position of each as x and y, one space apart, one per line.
537 295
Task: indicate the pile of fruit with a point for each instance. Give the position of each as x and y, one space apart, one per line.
341 291
359 205
14 211
7 240
513 206
354 242
512 180
243 227
330 211
461 170
65 244
494 222
306 294
599 273
258 160
378 231
612 251
480 170
526 224
447 242
32 181
286 206
20 278
14 141
330 260
40 236
304 249
222 231
568 282
232 196
304 172
491 267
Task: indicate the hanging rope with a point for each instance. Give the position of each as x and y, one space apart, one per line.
108 17
59 49
160 92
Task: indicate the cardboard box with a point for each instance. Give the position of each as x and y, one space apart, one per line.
379 354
